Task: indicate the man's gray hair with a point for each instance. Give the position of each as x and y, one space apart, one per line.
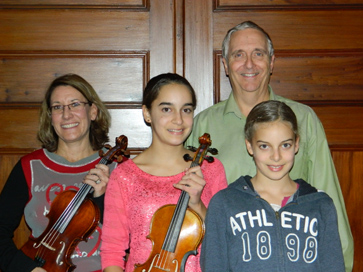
241 26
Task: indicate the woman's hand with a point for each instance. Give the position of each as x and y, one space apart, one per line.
98 179
193 183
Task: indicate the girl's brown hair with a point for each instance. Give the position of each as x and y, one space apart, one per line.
270 111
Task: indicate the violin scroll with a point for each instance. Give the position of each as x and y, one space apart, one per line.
117 151
205 142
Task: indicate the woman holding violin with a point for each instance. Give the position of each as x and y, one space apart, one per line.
154 178
74 126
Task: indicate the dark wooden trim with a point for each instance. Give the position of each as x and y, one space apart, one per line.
34 105
217 7
346 148
15 151
144 6
74 54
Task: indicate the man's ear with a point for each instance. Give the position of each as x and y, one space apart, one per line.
225 64
249 147
272 62
297 144
146 114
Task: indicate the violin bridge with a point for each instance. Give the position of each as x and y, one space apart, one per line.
48 246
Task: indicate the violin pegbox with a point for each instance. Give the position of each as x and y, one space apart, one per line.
205 142
187 157
116 152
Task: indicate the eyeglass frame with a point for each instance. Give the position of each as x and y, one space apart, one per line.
69 107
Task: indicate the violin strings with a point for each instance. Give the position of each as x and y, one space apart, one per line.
163 264
66 216
64 219
175 224
76 202
180 208
50 238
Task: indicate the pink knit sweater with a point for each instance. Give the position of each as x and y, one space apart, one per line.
132 198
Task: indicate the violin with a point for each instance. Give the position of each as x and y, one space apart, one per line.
174 242
72 218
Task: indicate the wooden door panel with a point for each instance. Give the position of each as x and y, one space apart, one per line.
118 77
20 125
74 29
317 76
348 164
298 29
8 159
343 125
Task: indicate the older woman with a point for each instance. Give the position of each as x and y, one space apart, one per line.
74 126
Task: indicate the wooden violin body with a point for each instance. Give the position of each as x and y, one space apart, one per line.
191 235
53 253
175 230
72 218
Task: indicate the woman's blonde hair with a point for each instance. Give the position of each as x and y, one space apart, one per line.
99 127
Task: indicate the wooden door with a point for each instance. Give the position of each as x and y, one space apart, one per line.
117 45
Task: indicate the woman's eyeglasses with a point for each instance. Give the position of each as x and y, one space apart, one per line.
75 106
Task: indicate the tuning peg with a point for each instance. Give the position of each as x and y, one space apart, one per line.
187 157
191 148
209 159
213 151
126 153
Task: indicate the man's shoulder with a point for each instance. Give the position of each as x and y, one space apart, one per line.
297 107
216 109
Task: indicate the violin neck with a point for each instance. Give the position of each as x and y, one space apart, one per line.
177 220
194 163
74 205
176 223
103 161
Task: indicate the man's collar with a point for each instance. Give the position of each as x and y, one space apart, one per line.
272 94
232 107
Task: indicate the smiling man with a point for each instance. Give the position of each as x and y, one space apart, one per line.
248 58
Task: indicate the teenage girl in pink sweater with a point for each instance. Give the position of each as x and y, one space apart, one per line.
138 187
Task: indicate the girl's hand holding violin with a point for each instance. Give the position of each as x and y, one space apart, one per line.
193 183
98 179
